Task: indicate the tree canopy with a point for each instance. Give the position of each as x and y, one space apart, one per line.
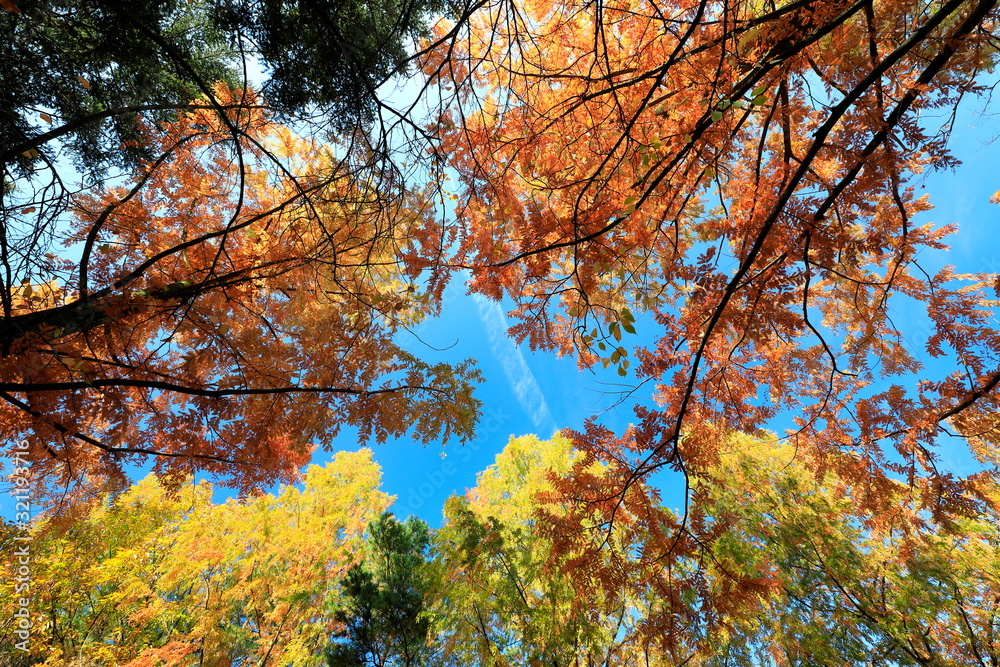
783 572
329 55
718 200
240 310
736 181
84 71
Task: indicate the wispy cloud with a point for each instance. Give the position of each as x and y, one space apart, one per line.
522 381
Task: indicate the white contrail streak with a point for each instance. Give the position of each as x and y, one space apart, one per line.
519 376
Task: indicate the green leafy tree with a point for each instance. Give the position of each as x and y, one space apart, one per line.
82 70
330 54
383 600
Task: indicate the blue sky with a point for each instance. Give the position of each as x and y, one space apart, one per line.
524 392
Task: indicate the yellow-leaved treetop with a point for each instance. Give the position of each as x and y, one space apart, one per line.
768 567
505 593
152 577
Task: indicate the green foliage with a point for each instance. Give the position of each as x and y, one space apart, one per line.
330 54
88 65
383 611
75 59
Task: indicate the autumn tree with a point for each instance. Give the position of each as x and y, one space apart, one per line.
92 80
151 576
226 310
733 180
771 568
815 583
505 594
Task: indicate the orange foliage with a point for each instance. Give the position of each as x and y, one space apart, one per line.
733 178
233 307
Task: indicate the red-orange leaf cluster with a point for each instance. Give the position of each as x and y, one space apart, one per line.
232 308
738 175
